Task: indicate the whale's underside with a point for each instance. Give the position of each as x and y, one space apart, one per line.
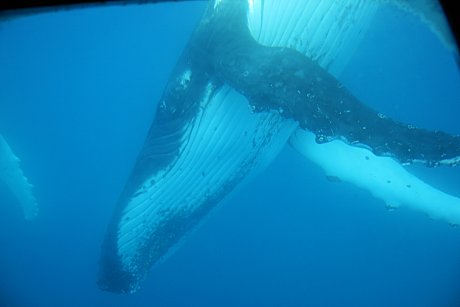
255 76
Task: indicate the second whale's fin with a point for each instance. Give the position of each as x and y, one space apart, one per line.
12 175
383 177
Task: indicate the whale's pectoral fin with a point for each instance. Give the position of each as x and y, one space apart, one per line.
12 175
384 177
186 167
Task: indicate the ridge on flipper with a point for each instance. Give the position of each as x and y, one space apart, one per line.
13 177
328 32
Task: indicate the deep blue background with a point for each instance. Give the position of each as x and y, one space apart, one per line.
78 91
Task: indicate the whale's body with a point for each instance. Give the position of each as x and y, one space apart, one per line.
255 76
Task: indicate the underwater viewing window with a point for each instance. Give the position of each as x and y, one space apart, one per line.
229 153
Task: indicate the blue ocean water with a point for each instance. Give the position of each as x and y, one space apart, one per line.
78 91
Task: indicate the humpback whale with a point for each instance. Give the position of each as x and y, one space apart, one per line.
12 175
257 75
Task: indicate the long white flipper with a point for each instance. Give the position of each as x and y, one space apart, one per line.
382 176
224 144
12 175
